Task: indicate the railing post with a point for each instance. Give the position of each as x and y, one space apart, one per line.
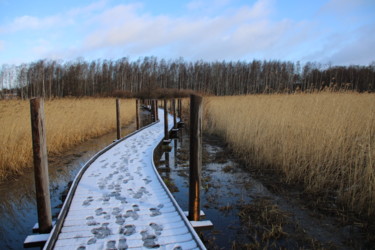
157 110
195 156
166 133
154 109
118 119
137 112
40 165
174 113
179 109
180 123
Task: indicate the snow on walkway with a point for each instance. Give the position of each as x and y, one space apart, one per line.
121 202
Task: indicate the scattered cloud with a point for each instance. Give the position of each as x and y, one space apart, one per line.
232 34
210 30
356 51
31 22
96 6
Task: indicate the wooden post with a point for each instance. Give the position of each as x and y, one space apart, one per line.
154 110
118 119
180 123
157 110
40 165
166 134
195 156
137 112
179 109
174 113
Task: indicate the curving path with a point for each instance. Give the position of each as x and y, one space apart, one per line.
120 202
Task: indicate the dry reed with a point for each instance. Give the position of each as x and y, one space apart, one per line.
325 141
68 122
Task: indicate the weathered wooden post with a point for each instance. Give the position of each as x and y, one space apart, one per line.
137 112
174 113
118 119
40 165
180 123
179 108
175 129
157 110
195 156
166 133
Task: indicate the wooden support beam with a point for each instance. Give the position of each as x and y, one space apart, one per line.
39 142
118 119
202 225
195 156
36 240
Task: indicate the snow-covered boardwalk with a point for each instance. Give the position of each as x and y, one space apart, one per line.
120 202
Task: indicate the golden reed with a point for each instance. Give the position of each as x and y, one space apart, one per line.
68 122
324 140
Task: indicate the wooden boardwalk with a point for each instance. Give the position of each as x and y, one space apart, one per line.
119 201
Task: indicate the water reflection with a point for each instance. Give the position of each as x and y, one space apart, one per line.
221 190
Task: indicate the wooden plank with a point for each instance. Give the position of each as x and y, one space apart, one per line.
35 240
195 156
203 224
40 165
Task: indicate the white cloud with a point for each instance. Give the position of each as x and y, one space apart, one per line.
231 34
31 22
355 51
96 6
210 30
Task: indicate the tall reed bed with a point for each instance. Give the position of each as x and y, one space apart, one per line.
68 122
325 141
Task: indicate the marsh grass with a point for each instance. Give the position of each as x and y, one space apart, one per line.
68 122
326 141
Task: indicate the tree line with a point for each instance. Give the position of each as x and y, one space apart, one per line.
50 78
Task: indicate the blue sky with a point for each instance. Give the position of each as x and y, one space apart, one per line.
337 32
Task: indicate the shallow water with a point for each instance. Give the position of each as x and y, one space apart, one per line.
18 212
224 186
